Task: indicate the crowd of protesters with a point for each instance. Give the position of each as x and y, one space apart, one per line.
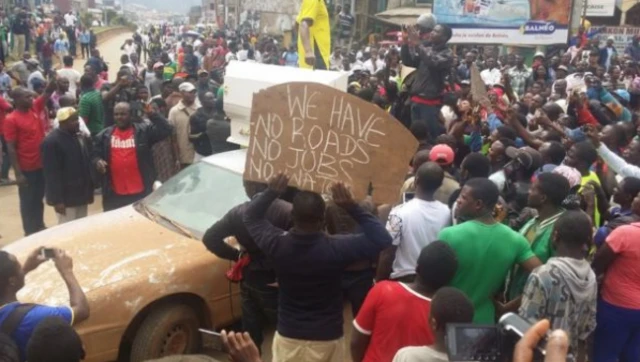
523 196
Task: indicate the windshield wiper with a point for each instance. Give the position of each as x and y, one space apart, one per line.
154 215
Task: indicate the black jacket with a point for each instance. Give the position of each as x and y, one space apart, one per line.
66 160
260 270
432 67
146 135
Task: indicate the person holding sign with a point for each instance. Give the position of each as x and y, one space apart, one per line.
314 35
309 265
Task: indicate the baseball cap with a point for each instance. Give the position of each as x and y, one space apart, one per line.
442 155
202 71
65 113
562 67
539 54
158 65
525 156
33 61
186 87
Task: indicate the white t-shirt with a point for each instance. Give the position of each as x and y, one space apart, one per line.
73 76
69 19
420 354
243 55
368 65
499 178
413 225
129 49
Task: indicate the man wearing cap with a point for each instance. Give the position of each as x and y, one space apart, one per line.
66 161
179 117
155 86
432 67
413 225
122 154
205 84
444 156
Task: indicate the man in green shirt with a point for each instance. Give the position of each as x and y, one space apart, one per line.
546 195
91 108
170 67
486 249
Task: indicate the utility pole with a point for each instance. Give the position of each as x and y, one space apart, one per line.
584 12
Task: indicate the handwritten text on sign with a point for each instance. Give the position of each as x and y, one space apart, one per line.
319 135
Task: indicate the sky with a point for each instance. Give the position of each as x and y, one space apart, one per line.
181 6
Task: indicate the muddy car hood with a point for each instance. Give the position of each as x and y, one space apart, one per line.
107 248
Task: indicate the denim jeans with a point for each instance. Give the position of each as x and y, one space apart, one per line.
617 335
31 205
429 115
259 309
6 162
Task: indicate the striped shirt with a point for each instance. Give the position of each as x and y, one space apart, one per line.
91 110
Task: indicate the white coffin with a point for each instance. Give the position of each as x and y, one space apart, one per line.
243 79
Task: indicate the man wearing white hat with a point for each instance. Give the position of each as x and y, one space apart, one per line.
67 168
179 117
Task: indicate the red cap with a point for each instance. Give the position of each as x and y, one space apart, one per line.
441 154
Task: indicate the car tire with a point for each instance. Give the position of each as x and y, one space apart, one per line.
168 330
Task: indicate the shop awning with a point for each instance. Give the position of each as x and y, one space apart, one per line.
402 16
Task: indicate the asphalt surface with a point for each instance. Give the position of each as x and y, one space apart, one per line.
10 222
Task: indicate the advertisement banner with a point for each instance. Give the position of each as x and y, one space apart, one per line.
600 8
622 36
510 22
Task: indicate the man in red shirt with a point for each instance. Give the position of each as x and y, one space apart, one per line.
24 131
122 153
396 315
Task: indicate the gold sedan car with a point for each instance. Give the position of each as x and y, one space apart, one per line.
150 281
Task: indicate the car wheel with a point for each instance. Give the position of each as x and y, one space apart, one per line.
168 330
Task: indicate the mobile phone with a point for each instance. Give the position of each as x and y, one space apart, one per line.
473 342
513 324
408 196
47 253
211 339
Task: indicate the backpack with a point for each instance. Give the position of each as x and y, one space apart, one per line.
9 351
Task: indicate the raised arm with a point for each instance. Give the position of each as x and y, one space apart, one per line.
264 234
374 237
77 298
213 239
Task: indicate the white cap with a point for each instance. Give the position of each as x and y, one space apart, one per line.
186 87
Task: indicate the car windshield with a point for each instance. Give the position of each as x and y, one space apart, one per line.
197 197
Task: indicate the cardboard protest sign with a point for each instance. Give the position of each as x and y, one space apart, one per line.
478 88
318 135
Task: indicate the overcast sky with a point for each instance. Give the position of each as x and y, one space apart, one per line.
179 6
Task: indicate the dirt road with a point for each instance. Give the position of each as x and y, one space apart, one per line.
10 222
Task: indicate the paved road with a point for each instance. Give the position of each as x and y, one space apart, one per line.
10 222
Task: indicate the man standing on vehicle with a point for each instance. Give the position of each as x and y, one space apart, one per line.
314 39
432 63
67 168
258 287
21 319
122 154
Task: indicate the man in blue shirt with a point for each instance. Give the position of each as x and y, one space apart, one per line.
12 280
85 39
309 265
